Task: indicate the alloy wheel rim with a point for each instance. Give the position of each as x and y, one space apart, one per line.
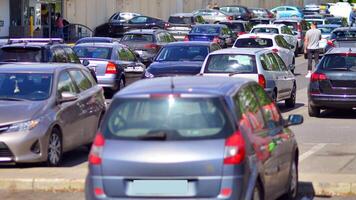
54 149
294 180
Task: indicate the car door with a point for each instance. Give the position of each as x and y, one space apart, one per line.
278 146
283 52
278 75
136 23
58 55
288 76
135 68
253 124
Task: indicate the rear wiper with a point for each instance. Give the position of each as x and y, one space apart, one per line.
154 135
11 99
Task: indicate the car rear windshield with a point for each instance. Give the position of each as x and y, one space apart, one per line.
27 54
349 34
93 52
265 30
326 30
333 21
28 86
170 118
259 21
138 38
181 20
236 27
316 21
233 10
291 25
231 63
254 43
339 62
183 53
205 30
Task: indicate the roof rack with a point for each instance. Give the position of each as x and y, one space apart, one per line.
38 40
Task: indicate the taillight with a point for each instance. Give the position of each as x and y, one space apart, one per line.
262 80
151 46
318 77
98 192
234 149
216 39
186 38
97 150
229 17
111 68
240 33
275 50
166 25
225 192
331 43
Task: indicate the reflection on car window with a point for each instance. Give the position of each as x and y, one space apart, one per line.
231 63
265 30
81 81
138 38
254 43
20 55
206 29
65 84
183 53
93 52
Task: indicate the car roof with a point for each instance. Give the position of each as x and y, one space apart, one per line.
314 19
36 67
341 50
144 31
234 6
262 35
213 25
248 51
329 25
345 29
288 20
269 25
182 15
189 43
99 44
197 85
234 21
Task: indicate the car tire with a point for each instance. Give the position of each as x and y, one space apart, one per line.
274 96
290 103
257 192
293 182
313 111
55 148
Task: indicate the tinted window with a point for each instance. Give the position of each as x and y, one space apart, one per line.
126 55
138 20
93 52
20 55
30 86
254 43
237 27
291 25
177 118
232 10
230 63
265 30
81 81
59 55
65 84
343 34
183 53
280 62
338 62
73 58
272 62
181 20
206 29
138 38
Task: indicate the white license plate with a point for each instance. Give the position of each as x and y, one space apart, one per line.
134 69
159 187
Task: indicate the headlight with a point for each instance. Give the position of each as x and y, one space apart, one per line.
148 74
23 126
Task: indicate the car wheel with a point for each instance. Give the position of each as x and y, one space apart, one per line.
54 155
257 192
293 183
274 96
290 103
313 111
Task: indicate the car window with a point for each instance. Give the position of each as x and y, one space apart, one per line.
290 9
181 20
20 54
265 30
138 20
206 29
72 57
93 52
231 63
237 27
137 38
81 81
272 62
265 63
339 62
161 37
89 76
254 43
65 84
281 42
183 53
287 30
59 55
199 19
280 62
215 47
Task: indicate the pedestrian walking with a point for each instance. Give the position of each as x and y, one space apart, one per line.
352 17
311 46
59 25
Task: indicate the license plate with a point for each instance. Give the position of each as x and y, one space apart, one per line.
159 187
134 69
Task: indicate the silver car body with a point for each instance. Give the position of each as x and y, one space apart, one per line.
212 16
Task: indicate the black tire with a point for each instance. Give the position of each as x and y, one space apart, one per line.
257 192
292 71
293 182
274 96
55 148
117 87
290 103
313 111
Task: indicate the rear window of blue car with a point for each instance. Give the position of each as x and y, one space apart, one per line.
206 30
172 118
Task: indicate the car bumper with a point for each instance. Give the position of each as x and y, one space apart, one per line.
332 101
107 81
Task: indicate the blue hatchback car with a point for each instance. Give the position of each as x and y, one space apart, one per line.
193 138
287 11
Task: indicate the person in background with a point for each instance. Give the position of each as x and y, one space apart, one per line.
311 46
59 25
352 17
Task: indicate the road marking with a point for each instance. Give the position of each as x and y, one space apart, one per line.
313 150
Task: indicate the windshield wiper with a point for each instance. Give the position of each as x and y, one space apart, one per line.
11 99
154 135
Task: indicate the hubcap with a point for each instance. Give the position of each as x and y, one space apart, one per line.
54 149
294 181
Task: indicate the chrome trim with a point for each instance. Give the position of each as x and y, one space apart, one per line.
334 95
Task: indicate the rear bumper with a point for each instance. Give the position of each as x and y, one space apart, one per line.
107 81
332 101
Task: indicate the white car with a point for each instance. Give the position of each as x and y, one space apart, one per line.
341 9
318 21
274 42
282 29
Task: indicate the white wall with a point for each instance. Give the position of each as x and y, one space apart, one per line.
5 16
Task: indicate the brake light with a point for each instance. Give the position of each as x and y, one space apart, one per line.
234 149
98 191
225 192
240 33
151 46
318 77
97 150
331 43
166 25
216 39
262 80
186 38
229 17
111 68
275 50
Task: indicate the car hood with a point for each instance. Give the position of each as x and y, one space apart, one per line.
17 111
175 68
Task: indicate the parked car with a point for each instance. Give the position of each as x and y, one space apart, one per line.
239 12
261 65
326 31
217 33
261 13
317 21
180 24
299 26
115 65
257 21
122 17
282 29
314 16
47 110
342 37
311 9
336 20
238 27
193 138
332 85
180 58
274 42
287 11
97 39
213 16
147 43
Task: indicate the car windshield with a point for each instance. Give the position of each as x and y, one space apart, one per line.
349 34
137 38
333 21
231 63
254 43
183 53
339 62
265 30
170 118
318 22
25 86
236 27
93 52
291 25
27 54
326 30
205 30
180 20
233 10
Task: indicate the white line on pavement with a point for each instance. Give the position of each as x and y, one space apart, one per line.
313 150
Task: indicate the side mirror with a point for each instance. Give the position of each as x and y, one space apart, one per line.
85 62
67 97
294 120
